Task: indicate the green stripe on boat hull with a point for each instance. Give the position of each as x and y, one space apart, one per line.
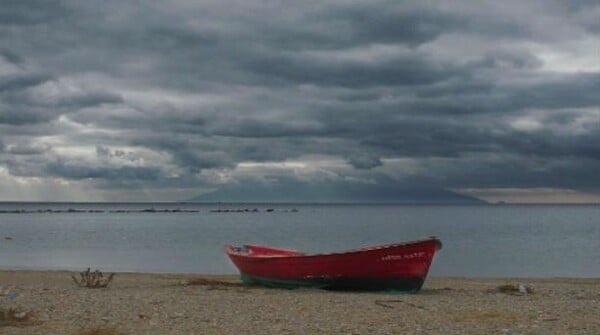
345 283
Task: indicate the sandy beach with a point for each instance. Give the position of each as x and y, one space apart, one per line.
51 303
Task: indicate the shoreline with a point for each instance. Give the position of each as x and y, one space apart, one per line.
168 303
234 276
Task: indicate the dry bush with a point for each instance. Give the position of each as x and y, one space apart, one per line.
92 279
102 331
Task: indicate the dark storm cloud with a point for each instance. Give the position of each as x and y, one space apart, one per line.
76 171
19 82
30 12
567 92
27 149
369 24
516 172
22 116
24 111
10 56
24 101
166 94
364 161
409 70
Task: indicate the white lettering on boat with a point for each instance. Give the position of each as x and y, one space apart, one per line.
413 255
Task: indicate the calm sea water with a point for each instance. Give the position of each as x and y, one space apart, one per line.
536 241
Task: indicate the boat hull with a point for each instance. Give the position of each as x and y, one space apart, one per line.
401 267
342 284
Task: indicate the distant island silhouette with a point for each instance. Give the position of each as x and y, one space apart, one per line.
334 192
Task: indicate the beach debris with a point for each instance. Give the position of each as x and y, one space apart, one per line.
91 279
21 315
11 296
13 317
177 315
387 304
6 291
514 289
214 284
525 289
101 331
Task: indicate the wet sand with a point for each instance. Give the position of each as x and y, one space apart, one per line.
51 303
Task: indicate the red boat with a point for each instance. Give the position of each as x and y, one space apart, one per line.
401 266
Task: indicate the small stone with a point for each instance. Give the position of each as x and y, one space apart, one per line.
43 316
522 289
177 315
20 315
525 288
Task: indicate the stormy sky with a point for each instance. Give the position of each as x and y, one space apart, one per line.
166 100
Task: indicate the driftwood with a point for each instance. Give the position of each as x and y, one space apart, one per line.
92 279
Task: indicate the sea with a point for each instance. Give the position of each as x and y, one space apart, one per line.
478 240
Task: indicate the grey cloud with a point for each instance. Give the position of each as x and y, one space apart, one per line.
103 151
573 91
19 82
77 171
513 59
19 106
359 24
442 139
10 56
24 165
517 172
18 116
253 128
566 91
31 12
196 161
90 99
365 161
106 152
193 155
407 70
27 149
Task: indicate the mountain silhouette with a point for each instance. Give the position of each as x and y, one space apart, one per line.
385 191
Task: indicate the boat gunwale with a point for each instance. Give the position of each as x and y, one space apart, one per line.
229 250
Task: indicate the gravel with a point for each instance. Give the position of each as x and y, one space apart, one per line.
188 304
